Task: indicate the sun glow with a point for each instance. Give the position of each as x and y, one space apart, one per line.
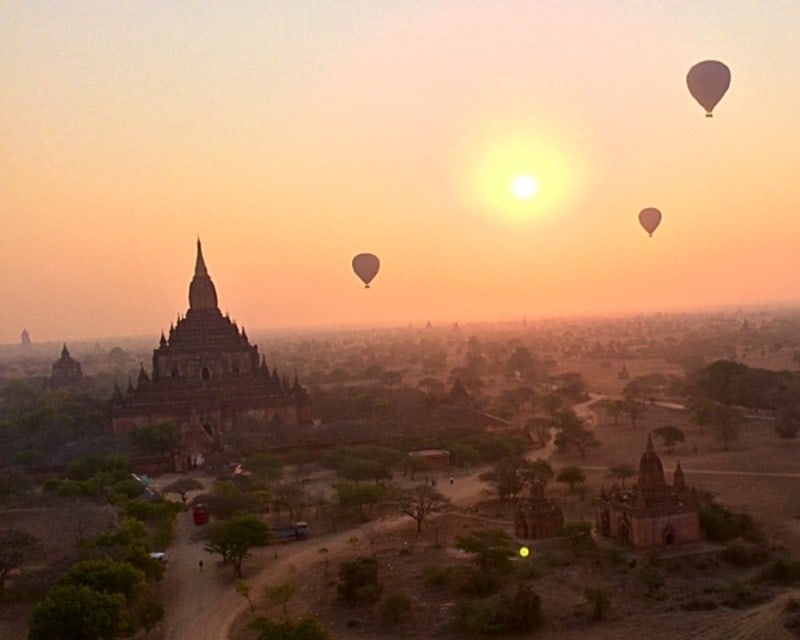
520 173
524 187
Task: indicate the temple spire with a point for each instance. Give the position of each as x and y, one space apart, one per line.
202 294
200 264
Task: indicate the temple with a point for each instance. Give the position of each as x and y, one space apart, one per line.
537 517
209 380
66 373
653 514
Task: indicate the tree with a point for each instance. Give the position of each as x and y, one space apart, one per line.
571 431
541 428
506 477
280 594
635 409
598 598
72 612
652 578
420 502
615 408
182 486
571 475
492 549
670 436
16 547
265 465
726 424
358 581
395 607
787 423
307 628
234 539
161 437
621 472
291 496
243 589
109 576
149 614
358 494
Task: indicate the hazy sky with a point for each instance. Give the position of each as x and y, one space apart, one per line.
292 135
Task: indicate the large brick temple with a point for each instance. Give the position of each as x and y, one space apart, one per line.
208 379
653 514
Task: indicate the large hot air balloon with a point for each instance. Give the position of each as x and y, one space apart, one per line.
366 267
708 81
650 218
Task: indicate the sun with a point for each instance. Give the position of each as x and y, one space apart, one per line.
524 187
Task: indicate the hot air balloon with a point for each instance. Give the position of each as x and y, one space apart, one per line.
366 267
650 218
708 81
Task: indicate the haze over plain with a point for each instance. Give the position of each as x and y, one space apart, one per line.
292 136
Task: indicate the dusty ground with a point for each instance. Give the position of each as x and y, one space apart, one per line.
760 475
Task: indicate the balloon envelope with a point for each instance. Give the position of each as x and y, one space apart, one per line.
708 81
650 218
366 267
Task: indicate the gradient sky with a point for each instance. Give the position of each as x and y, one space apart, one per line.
292 135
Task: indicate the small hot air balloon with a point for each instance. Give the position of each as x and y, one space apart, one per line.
708 81
650 218
366 267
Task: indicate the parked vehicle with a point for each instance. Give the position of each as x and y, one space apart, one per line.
200 514
294 531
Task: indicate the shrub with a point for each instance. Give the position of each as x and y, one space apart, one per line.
521 612
721 524
437 576
395 607
359 581
741 554
599 600
785 571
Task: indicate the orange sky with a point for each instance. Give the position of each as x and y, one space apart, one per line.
291 136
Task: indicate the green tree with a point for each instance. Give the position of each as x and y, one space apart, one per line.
571 431
571 475
726 424
234 538
16 548
281 594
358 494
76 612
787 423
599 600
670 436
266 466
358 581
621 472
109 576
149 613
243 589
182 486
158 438
307 628
421 501
652 578
395 607
492 553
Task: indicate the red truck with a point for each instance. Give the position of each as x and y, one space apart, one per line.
200 514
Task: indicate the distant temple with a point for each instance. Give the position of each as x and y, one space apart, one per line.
25 338
652 514
537 517
208 379
66 373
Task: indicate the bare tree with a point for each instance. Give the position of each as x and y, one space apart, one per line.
420 502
